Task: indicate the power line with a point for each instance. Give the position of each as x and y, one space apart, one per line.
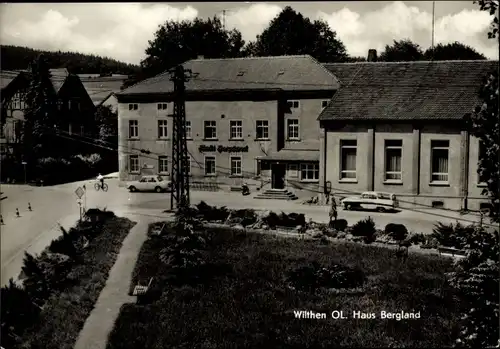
293 182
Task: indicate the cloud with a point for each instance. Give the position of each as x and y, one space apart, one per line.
397 21
115 30
251 21
122 30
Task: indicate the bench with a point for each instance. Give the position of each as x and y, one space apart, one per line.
141 290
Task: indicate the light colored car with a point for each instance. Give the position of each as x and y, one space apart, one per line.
150 183
371 200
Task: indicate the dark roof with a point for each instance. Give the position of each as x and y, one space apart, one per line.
6 77
289 73
100 88
406 90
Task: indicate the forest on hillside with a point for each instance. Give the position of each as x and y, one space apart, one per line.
17 57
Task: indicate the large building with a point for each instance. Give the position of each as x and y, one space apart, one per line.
247 119
400 127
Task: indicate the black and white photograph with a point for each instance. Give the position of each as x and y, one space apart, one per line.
249 175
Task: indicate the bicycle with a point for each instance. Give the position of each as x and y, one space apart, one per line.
104 187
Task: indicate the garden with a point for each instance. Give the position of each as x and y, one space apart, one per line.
61 285
227 278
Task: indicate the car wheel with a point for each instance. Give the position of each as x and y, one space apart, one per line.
132 189
158 190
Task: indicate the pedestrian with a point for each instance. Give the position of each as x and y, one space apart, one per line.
333 210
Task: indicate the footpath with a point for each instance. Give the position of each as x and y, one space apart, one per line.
101 321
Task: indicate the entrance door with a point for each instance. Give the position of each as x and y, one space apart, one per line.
278 176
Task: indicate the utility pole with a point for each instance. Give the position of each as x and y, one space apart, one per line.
224 19
432 42
179 195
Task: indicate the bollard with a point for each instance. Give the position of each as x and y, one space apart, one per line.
17 213
1 220
29 206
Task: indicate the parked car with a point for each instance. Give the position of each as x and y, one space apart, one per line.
150 183
371 200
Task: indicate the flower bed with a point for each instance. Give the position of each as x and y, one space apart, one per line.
61 285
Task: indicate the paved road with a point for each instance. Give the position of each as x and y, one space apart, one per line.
56 205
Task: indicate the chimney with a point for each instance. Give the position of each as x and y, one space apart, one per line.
200 57
372 55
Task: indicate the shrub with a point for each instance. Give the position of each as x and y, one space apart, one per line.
245 217
339 224
452 235
396 231
314 276
477 279
364 227
212 213
18 313
64 244
291 220
417 239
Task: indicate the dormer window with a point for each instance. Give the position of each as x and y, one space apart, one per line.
241 73
281 72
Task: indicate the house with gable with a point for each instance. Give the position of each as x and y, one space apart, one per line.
400 127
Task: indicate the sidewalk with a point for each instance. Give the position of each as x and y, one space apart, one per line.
101 321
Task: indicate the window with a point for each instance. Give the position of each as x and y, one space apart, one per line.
188 129
133 129
348 159
59 104
163 164
162 129
17 102
293 104
481 155
236 166
393 154
162 106
309 172
439 161
210 130
133 106
82 130
324 104
236 129
262 128
210 166
293 170
293 129
133 163
2 131
17 129
70 104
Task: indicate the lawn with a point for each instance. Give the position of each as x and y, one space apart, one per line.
248 304
65 312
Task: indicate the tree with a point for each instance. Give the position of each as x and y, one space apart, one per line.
290 33
401 51
177 42
452 51
107 124
485 125
40 114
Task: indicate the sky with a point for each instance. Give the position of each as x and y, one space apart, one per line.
122 30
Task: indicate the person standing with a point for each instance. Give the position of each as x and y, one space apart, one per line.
333 210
